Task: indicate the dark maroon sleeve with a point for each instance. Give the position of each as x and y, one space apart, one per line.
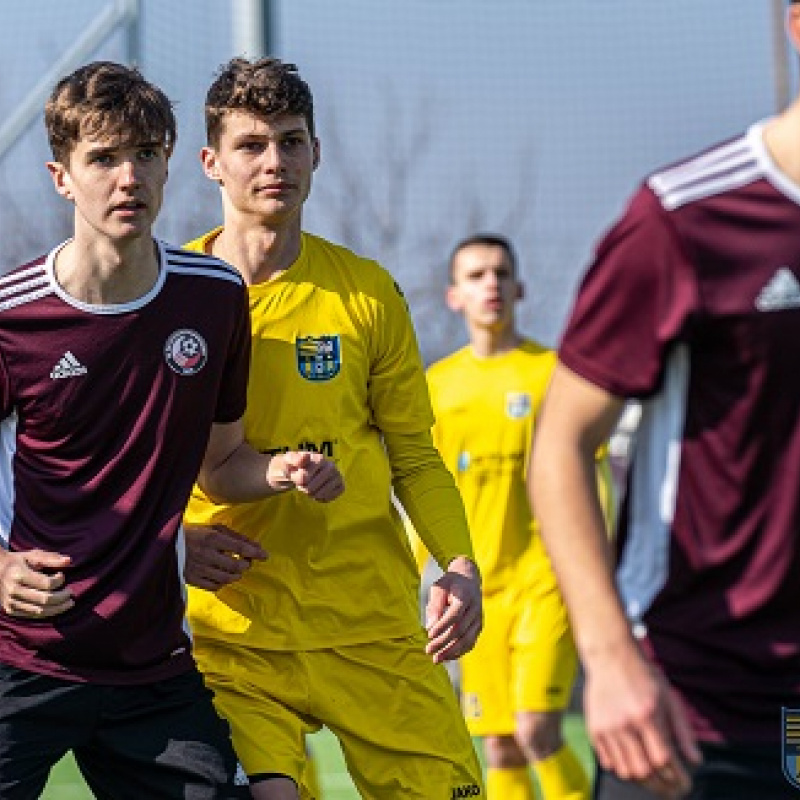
232 399
634 302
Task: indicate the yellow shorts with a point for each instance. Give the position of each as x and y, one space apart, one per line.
524 660
393 711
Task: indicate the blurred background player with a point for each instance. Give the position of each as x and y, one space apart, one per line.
326 630
692 305
517 681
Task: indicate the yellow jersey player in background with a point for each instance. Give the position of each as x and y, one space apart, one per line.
326 630
517 682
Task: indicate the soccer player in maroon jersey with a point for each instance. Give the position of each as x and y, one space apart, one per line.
692 305
123 371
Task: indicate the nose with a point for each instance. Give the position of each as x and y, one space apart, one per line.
273 159
128 173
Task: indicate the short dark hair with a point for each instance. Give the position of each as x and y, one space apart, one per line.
266 87
489 239
104 98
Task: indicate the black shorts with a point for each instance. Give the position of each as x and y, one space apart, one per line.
154 741
728 772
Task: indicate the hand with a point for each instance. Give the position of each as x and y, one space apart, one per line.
217 556
454 613
32 584
309 473
638 727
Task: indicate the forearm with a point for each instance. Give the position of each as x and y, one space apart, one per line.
429 496
243 476
563 486
575 537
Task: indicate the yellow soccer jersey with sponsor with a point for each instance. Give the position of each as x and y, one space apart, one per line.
335 361
485 411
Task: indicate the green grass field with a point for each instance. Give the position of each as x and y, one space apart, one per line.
66 782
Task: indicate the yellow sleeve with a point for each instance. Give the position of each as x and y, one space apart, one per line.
428 493
418 549
605 487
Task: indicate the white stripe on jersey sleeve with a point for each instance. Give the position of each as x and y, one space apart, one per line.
188 262
726 167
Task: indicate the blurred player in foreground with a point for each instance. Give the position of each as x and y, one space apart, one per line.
326 630
692 305
517 682
122 360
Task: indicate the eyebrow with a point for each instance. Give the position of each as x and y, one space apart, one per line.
110 148
268 134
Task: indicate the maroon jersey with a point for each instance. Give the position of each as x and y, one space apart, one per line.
106 412
693 304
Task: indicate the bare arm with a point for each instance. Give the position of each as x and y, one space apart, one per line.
233 472
636 724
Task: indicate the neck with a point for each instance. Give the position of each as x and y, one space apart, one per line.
259 252
101 272
781 136
486 342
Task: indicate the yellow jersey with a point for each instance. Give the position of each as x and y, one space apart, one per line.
485 412
335 362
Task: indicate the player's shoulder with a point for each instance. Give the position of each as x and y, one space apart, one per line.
329 257
202 242
719 169
532 362
532 349
25 284
455 361
318 247
185 262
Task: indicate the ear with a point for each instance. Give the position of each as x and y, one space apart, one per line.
452 297
793 25
519 294
316 153
208 157
61 180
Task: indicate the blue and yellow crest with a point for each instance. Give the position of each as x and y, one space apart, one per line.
518 404
319 358
790 745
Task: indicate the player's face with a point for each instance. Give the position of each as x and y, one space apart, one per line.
116 189
264 166
485 287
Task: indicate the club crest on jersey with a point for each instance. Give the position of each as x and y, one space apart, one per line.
790 745
186 352
518 404
319 358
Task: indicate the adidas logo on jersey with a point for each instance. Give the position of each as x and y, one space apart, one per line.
782 291
68 367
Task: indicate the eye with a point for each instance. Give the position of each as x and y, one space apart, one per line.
103 159
148 153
